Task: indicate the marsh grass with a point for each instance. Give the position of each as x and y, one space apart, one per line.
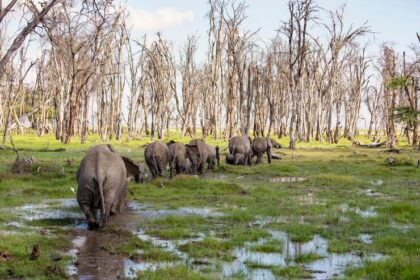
172 273
268 246
209 248
336 175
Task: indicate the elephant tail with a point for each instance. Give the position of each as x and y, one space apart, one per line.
101 192
218 156
172 165
156 165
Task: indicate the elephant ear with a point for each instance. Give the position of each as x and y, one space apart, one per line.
132 167
193 152
111 148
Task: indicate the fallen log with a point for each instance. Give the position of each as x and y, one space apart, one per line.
370 145
393 150
275 156
3 147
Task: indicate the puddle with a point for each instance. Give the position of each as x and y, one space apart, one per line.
49 209
148 212
286 179
131 268
366 238
365 213
329 266
266 220
310 199
377 182
372 193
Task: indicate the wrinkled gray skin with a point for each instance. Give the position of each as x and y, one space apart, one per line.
239 158
261 145
214 156
204 154
180 155
241 145
102 178
156 155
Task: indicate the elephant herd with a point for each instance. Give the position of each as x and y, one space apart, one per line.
103 174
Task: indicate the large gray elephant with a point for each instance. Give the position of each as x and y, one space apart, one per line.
182 158
261 145
156 155
102 178
241 145
208 154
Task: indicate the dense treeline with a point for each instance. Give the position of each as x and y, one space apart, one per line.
92 75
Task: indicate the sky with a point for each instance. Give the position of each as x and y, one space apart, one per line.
393 21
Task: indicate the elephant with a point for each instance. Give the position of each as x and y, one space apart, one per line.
214 156
208 154
204 154
241 145
239 158
235 159
156 155
102 178
230 159
260 145
178 156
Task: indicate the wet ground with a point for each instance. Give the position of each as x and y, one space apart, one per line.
91 261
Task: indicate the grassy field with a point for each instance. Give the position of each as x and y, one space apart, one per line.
346 200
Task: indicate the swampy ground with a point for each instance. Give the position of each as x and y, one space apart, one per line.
320 212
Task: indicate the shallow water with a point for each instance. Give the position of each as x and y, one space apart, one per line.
329 266
286 179
91 261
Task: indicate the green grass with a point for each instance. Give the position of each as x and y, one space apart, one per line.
19 264
336 175
269 246
172 273
291 272
209 248
308 257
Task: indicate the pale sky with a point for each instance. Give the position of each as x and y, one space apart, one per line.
391 20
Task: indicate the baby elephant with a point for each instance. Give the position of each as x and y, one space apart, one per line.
235 159
103 183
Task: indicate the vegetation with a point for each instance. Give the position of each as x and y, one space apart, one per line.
243 206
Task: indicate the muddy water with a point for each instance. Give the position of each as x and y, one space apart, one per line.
91 261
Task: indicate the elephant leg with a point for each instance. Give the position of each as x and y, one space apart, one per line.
248 159
151 168
200 168
269 155
171 169
179 169
85 199
90 216
161 169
